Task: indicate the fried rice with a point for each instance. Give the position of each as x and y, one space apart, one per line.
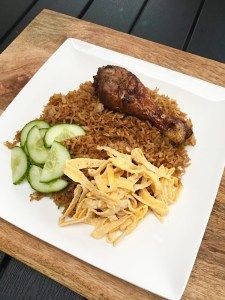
107 128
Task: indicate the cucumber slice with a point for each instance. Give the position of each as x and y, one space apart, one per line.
53 167
35 146
61 132
25 149
27 128
43 131
53 186
19 164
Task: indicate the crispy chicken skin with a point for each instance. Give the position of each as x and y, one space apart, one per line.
121 91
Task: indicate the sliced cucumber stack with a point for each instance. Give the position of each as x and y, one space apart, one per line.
53 167
35 146
27 128
32 153
61 132
19 164
34 175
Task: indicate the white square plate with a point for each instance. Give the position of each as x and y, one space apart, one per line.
157 257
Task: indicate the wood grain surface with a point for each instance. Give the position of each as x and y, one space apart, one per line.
17 64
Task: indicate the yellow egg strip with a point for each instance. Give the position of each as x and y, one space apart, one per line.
118 192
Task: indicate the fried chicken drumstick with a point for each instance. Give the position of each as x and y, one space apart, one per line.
121 91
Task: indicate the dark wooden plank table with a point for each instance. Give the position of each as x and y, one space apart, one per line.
9 16
196 26
2 255
119 15
68 7
22 282
208 38
167 22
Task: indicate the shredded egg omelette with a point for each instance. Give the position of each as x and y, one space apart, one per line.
114 195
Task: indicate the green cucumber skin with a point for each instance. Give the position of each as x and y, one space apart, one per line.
30 160
66 153
47 144
29 145
23 177
20 180
24 147
43 132
24 132
43 128
49 183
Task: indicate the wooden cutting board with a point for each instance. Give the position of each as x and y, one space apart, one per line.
18 63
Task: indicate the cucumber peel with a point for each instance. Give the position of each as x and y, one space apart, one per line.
43 131
50 187
41 156
35 146
61 132
19 164
25 130
53 167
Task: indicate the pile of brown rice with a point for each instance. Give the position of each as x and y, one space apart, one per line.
116 130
